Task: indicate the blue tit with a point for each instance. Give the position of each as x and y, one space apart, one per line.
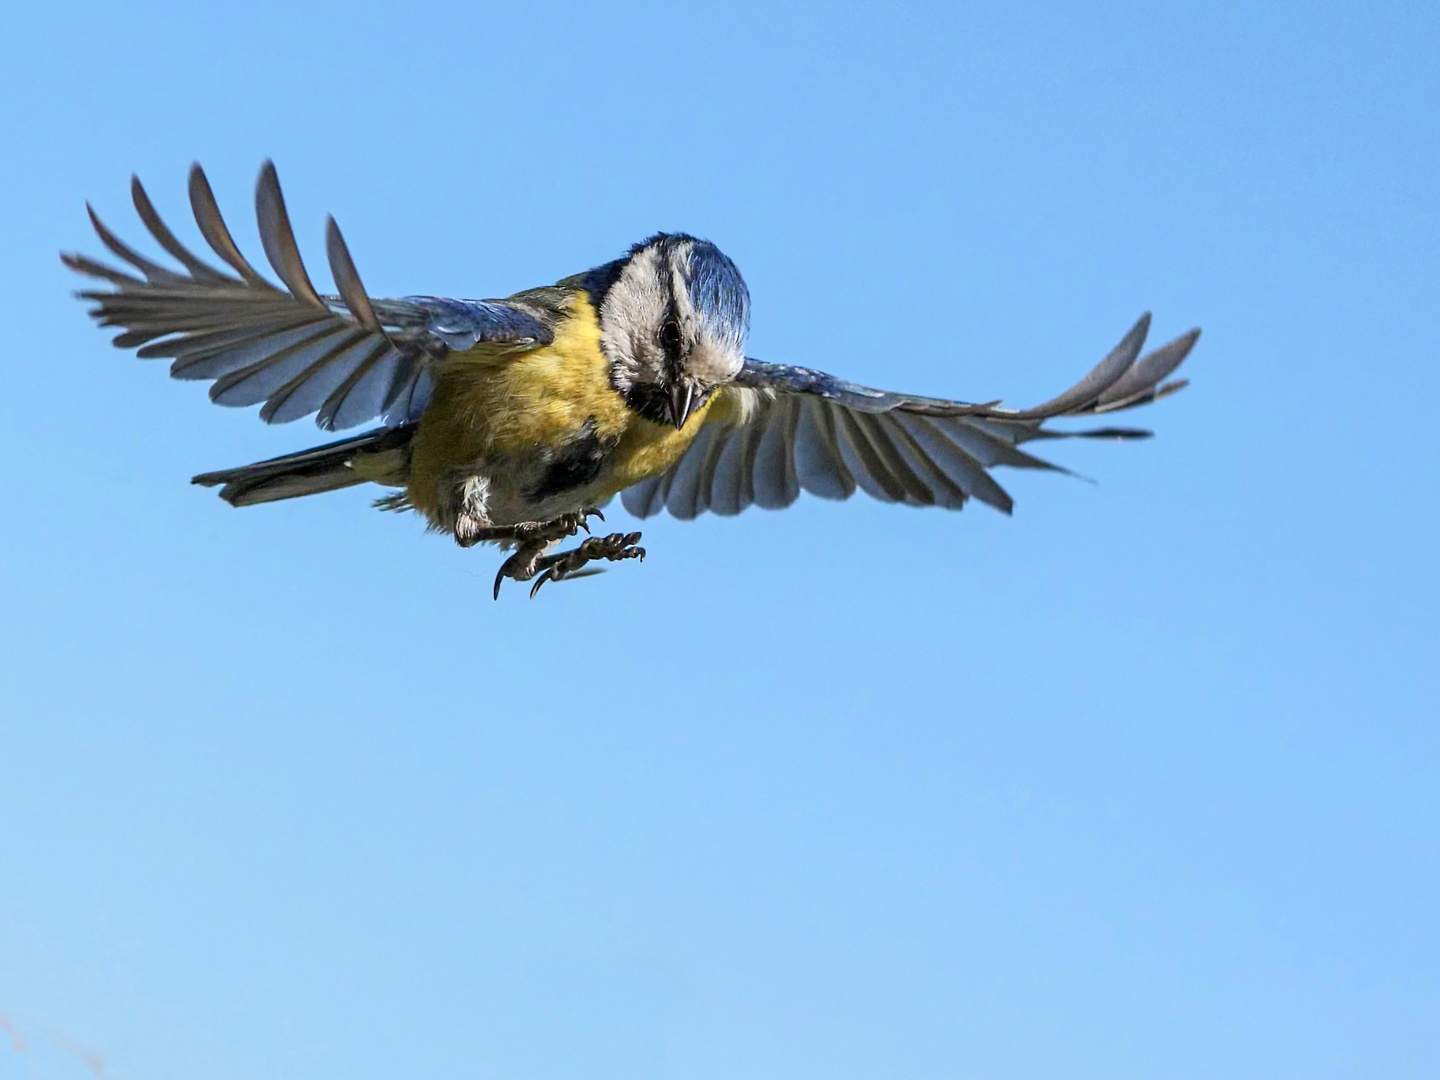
513 421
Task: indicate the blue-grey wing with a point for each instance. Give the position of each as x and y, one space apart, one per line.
781 430
348 358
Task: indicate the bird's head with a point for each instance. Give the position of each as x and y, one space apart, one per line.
673 322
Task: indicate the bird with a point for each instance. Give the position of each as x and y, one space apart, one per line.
513 421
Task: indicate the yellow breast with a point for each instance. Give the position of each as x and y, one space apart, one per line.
646 449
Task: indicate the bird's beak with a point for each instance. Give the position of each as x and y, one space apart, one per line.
682 394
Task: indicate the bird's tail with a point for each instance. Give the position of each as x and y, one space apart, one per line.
381 456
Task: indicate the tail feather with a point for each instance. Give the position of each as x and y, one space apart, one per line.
309 472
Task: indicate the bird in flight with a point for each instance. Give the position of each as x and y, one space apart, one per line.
513 421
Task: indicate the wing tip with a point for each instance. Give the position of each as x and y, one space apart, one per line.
1116 434
1174 386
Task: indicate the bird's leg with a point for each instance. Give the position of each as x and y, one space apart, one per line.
531 559
469 532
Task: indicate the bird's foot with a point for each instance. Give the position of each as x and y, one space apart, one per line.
613 548
468 532
563 526
530 560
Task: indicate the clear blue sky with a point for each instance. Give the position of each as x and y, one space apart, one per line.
1139 782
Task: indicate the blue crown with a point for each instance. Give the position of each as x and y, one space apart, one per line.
717 290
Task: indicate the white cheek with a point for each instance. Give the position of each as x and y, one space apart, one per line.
629 314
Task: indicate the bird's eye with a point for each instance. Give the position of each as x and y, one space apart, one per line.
670 337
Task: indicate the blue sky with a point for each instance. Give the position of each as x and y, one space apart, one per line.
1138 782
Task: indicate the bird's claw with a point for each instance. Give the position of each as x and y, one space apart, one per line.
574 522
501 575
613 548
529 560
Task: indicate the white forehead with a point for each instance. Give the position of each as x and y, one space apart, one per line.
639 299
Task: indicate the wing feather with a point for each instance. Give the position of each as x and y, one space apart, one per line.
348 358
820 467
861 460
683 498
254 383
362 394
914 490
216 233
199 270
773 477
347 278
932 439
1147 374
640 499
709 466
154 273
727 488
226 355
278 239
307 391
811 431
1103 376
943 490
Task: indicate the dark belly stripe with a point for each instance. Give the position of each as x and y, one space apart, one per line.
579 462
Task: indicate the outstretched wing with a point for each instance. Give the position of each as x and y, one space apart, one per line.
779 430
348 356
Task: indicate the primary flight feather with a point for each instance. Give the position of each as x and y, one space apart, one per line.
511 421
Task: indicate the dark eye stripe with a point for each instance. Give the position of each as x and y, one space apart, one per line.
670 339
